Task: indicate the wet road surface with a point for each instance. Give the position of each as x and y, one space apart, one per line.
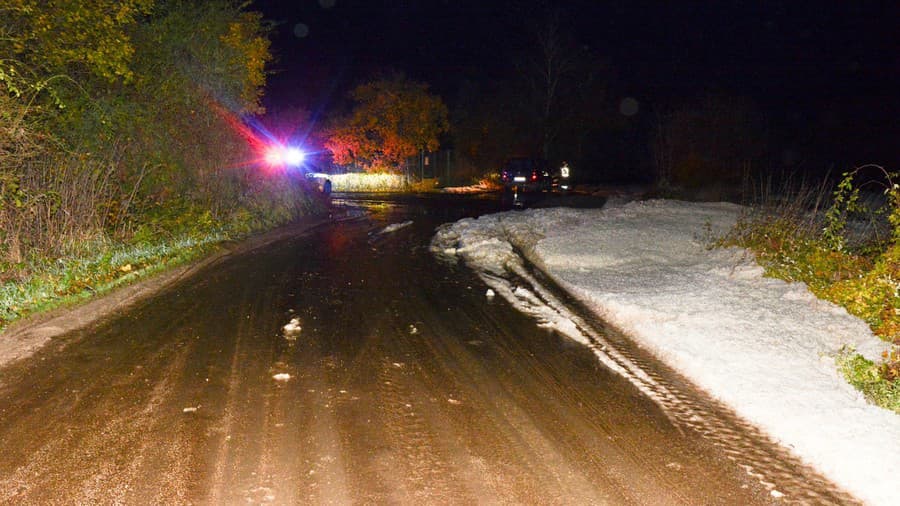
403 384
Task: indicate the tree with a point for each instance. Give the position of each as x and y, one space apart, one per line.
553 103
489 125
197 67
392 119
211 50
561 76
145 133
46 42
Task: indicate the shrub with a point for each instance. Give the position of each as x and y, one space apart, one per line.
796 239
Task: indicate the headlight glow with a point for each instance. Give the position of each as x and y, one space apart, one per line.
294 156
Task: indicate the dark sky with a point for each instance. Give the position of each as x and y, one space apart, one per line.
796 59
326 46
762 48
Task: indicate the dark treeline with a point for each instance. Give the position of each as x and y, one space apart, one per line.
551 91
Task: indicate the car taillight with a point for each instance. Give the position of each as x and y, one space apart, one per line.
534 176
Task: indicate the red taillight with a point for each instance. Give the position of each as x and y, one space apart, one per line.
534 176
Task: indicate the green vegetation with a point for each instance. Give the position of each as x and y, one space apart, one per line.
879 383
122 148
71 278
847 253
92 268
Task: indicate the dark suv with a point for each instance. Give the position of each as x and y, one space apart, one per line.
526 174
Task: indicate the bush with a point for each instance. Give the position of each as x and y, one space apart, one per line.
111 168
796 239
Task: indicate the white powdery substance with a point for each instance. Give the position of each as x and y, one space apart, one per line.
292 329
393 227
761 345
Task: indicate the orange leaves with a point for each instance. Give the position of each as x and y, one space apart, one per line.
393 119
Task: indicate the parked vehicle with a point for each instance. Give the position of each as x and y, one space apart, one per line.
526 174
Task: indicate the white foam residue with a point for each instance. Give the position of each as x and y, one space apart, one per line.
756 343
292 329
393 227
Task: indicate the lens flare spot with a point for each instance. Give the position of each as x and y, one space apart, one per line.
294 156
629 106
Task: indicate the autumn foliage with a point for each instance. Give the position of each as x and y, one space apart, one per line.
45 40
392 119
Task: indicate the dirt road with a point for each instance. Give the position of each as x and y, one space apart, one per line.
398 382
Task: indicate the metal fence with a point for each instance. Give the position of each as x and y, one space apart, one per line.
441 165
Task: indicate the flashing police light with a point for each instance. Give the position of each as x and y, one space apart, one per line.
281 155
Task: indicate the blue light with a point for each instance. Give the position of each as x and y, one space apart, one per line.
294 156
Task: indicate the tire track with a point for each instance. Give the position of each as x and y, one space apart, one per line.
784 475
421 471
518 405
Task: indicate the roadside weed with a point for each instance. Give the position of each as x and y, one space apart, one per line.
869 378
45 284
847 253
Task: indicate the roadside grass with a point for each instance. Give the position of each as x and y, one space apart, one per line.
168 238
846 248
383 182
45 284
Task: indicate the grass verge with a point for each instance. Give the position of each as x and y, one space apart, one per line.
872 379
176 236
366 182
52 283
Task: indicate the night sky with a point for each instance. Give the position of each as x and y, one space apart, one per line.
831 64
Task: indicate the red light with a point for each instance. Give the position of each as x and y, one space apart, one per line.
274 155
278 155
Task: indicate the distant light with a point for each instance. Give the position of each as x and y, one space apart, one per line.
629 106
